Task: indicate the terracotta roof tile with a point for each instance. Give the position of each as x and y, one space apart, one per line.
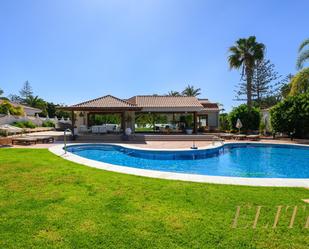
107 101
150 102
164 101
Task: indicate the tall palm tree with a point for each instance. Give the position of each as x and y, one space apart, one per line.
173 93
303 54
244 55
191 91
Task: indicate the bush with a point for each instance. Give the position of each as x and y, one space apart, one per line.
250 118
224 122
6 107
292 115
3 133
24 124
48 123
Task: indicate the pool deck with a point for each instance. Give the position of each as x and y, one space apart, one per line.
269 182
149 144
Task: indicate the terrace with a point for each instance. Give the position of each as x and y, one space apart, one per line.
144 114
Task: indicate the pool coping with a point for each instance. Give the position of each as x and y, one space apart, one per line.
245 181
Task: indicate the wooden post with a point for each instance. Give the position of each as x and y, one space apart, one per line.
73 124
123 122
195 122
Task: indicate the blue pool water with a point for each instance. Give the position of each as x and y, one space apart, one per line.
242 160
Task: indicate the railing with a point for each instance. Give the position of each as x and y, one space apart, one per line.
65 139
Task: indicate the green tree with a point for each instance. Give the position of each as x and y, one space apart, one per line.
191 91
16 99
37 102
173 93
26 90
244 55
6 107
300 82
303 54
292 115
249 117
1 91
224 122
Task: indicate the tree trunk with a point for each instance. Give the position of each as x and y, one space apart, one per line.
249 77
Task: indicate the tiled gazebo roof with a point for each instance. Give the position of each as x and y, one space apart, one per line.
164 101
105 102
147 103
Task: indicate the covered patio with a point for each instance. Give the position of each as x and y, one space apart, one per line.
142 114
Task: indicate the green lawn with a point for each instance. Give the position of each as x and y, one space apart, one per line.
47 202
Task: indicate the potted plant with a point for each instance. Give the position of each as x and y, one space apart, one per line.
189 124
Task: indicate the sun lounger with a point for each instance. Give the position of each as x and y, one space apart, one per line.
45 139
253 137
239 137
226 136
24 140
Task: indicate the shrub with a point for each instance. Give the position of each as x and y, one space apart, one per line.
6 107
262 127
292 115
48 123
3 133
250 118
24 124
224 122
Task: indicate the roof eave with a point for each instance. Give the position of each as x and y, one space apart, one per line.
80 108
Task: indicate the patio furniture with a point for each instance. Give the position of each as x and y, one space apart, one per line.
240 137
102 129
111 127
83 129
226 136
45 139
253 137
95 129
24 140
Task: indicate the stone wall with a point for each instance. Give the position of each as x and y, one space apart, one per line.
38 121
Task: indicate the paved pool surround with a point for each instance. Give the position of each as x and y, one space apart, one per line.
274 182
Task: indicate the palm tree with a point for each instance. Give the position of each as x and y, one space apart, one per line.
303 54
244 54
173 93
300 82
191 91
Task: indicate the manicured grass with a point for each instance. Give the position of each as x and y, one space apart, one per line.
48 202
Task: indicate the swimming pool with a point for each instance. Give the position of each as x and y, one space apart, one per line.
232 160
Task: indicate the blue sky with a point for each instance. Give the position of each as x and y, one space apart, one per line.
75 50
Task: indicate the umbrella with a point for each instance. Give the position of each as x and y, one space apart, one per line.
238 124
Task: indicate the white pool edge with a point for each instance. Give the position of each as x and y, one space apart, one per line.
246 181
